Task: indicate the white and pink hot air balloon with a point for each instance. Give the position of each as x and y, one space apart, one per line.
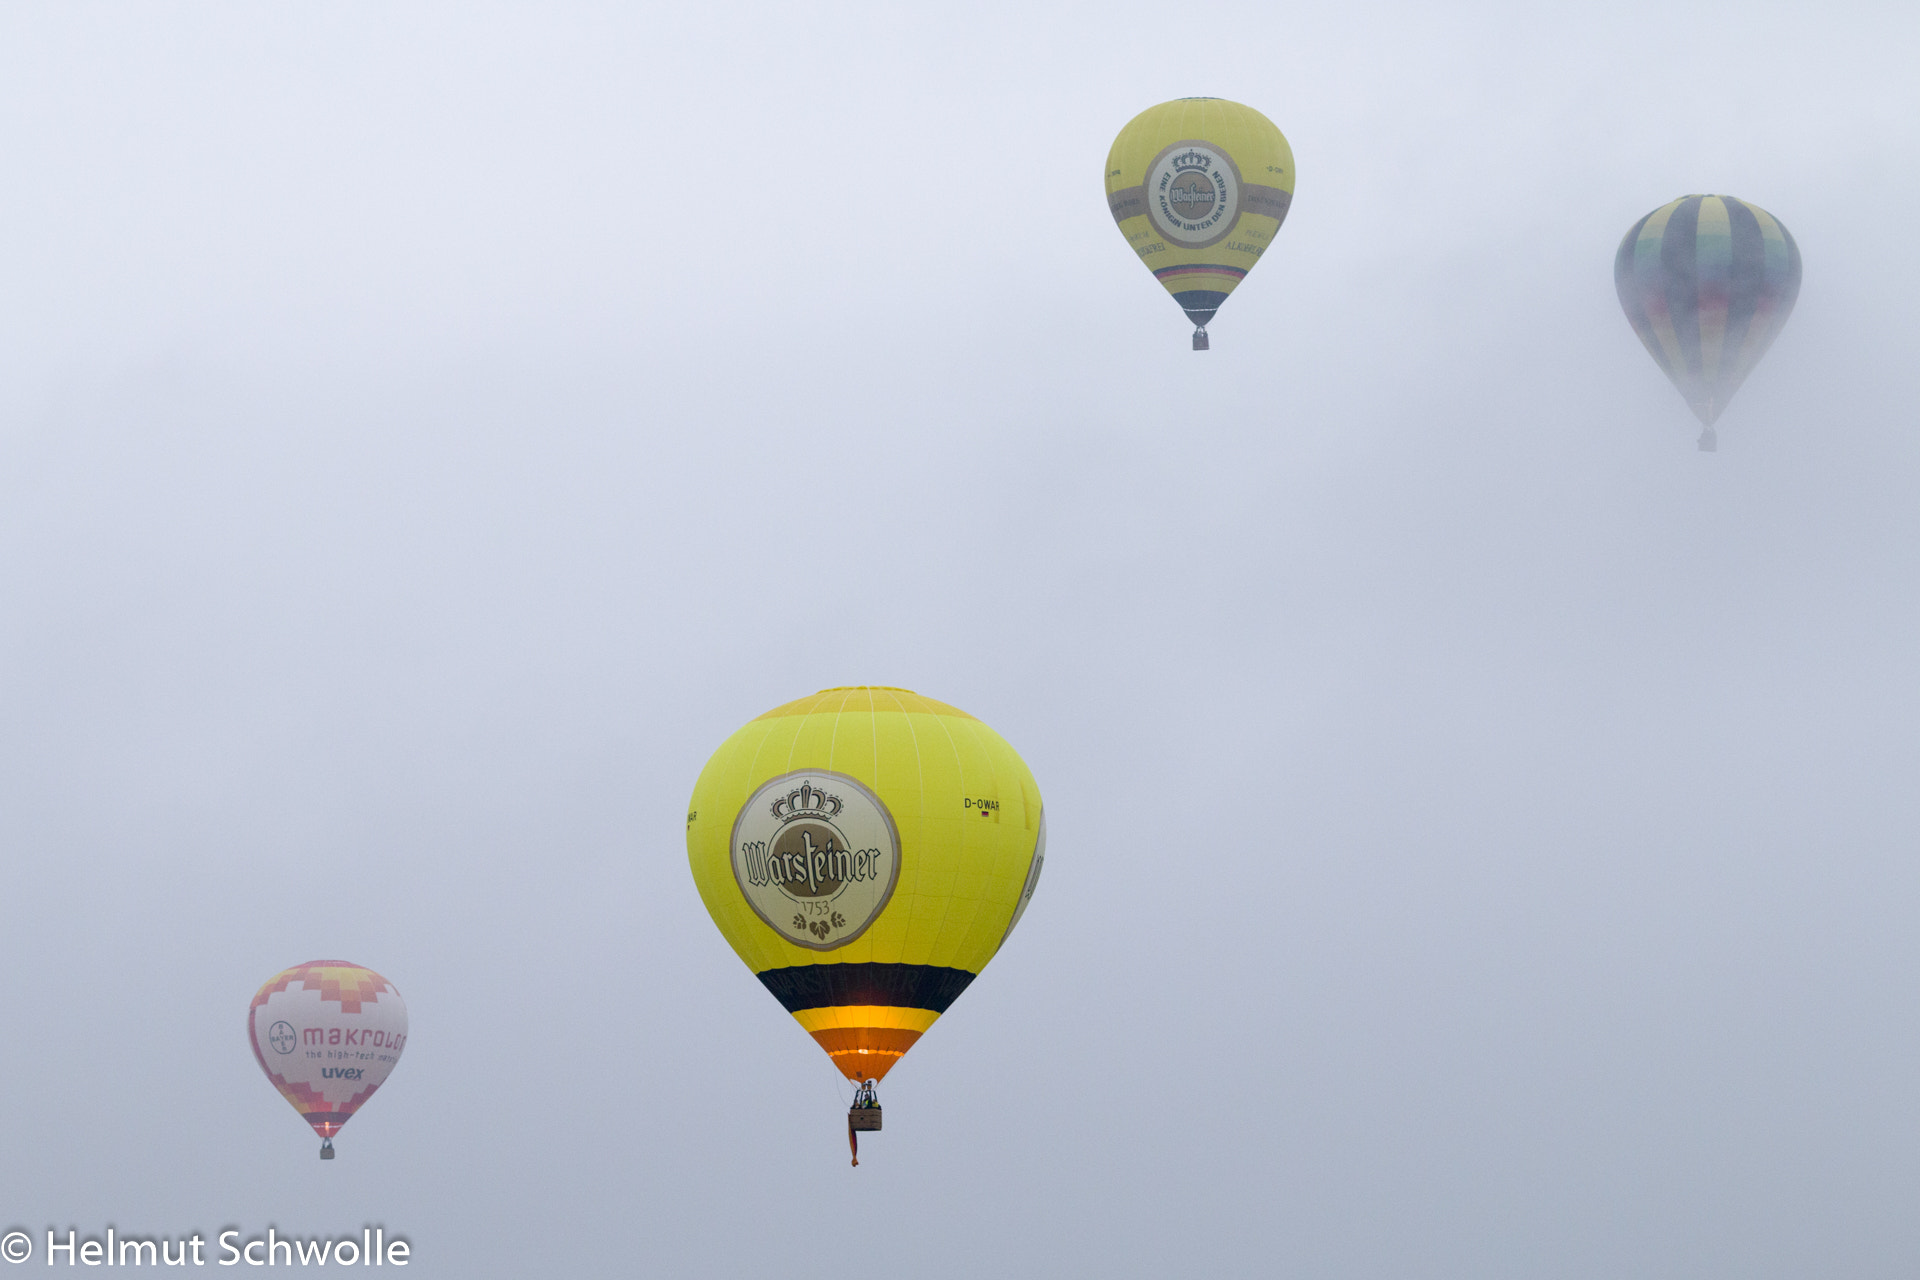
327 1033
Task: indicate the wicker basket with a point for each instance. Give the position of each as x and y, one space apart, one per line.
864 1119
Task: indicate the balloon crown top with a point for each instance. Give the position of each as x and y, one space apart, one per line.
855 688
806 801
1201 97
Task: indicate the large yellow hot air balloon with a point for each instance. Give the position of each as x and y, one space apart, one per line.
866 851
1199 186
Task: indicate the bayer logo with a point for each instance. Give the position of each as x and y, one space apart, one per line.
281 1036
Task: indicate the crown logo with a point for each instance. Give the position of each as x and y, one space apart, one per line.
1188 161
806 801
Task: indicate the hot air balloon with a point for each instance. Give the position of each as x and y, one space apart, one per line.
1199 186
327 1033
1707 282
866 851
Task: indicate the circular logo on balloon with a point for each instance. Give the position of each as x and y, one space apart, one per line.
281 1036
1193 194
816 855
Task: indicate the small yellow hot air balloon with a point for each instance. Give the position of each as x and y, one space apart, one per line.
866 851
1199 186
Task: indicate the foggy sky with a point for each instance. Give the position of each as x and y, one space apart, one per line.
1482 827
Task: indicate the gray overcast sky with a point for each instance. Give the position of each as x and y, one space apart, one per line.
1483 828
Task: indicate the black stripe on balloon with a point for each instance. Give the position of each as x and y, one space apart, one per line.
1790 287
1679 259
1200 304
1746 281
903 986
1626 285
1187 268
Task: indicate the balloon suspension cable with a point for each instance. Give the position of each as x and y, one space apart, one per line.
863 1114
326 1148
1200 337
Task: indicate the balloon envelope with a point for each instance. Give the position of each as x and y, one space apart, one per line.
1707 281
327 1033
865 851
1198 187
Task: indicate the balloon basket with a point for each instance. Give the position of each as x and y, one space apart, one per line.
864 1115
1200 338
326 1148
1709 443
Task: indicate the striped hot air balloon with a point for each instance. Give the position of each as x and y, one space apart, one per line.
1707 282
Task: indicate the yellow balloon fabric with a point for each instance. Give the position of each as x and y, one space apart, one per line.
866 851
1199 186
